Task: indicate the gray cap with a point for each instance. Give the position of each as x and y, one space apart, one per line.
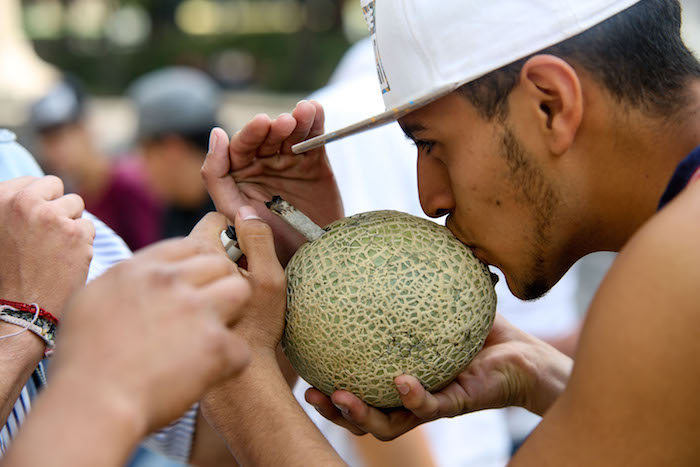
61 105
175 100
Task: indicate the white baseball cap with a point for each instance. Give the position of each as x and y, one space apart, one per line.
425 49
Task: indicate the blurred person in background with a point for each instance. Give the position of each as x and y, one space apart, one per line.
177 107
114 188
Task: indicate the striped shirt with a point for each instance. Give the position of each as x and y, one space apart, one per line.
174 441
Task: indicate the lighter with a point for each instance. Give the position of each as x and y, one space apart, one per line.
230 242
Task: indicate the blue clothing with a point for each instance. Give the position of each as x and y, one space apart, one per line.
108 249
681 177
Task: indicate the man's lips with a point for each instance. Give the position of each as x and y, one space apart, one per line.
475 250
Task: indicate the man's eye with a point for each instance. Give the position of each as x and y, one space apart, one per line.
426 146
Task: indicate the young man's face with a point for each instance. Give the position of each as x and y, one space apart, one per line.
65 148
499 199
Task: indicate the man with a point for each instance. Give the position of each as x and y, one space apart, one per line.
176 107
114 189
545 131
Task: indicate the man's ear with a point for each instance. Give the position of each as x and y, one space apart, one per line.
557 99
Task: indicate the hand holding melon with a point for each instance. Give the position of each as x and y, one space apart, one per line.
513 369
382 294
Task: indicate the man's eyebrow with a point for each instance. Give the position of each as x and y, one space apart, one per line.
410 129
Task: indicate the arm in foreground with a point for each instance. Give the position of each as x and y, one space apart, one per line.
127 339
256 412
46 250
633 395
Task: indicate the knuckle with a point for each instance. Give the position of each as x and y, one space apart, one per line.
188 299
54 180
259 230
161 275
273 281
216 338
205 171
23 201
80 202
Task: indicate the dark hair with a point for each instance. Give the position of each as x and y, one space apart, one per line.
198 138
638 55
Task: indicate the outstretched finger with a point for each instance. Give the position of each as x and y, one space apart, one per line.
245 144
280 129
305 115
215 173
319 119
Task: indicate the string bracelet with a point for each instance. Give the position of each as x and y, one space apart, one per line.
30 309
30 318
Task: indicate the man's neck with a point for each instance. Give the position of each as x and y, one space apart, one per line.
639 164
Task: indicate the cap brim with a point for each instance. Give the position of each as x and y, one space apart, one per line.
374 122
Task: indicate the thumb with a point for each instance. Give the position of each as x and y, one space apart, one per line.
256 241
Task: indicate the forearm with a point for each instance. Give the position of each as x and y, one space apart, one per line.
257 410
76 425
19 357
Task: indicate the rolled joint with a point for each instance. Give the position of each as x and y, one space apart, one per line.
294 217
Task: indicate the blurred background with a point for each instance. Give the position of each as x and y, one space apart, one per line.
266 54
117 97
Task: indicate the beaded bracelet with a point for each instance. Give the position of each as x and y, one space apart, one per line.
38 321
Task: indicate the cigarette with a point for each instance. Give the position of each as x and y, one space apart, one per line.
295 218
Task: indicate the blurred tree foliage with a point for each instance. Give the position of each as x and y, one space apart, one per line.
295 62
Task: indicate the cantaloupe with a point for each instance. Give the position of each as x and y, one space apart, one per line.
380 294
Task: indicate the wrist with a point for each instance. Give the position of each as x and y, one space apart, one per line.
550 377
70 414
29 319
22 347
108 410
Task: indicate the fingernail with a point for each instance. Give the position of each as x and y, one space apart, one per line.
403 389
303 100
247 212
342 408
213 139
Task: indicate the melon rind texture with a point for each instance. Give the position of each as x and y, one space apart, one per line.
381 294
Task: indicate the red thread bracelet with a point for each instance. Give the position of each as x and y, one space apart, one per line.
30 309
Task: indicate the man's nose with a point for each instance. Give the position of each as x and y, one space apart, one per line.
434 187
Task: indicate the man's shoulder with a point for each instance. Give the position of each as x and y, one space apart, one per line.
634 390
